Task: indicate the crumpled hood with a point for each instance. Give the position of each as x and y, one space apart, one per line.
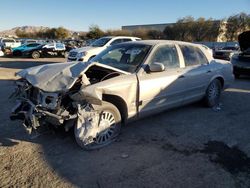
244 40
58 76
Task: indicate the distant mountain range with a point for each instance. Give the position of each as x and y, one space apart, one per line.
28 29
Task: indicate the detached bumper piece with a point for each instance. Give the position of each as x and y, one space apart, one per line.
25 110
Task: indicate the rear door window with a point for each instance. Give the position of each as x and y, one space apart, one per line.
193 55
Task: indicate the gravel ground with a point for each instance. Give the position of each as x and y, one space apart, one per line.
191 146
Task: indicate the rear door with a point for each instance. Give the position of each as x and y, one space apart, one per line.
197 72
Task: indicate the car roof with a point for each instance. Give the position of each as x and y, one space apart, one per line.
157 42
121 37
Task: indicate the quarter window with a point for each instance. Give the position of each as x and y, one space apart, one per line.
193 55
167 55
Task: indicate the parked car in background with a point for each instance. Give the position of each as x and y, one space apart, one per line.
43 50
218 45
27 41
76 43
57 46
19 50
9 43
241 60
88 52
68 49
226 52
90 41
6 51
1 53
124 82
210 51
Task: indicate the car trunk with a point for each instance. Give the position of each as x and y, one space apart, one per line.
244 41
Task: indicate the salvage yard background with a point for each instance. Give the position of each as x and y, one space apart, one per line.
191 146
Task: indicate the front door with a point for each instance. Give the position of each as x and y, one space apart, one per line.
161 90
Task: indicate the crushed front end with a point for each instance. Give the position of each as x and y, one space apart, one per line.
67 95
36 107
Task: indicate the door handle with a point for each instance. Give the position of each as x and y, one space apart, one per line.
209 71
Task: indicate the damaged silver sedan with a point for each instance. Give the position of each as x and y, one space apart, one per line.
123 83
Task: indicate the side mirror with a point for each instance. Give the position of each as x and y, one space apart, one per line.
156 67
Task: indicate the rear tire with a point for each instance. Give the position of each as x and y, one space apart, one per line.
35 55
110 118
213 93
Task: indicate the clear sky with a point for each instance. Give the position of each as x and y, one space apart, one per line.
78 15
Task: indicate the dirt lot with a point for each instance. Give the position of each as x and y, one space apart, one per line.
186 147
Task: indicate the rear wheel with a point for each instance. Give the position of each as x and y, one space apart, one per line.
105 130
35 55
213 93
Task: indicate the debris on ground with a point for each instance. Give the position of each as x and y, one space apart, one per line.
217 107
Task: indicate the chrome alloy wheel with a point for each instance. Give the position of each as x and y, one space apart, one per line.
106 127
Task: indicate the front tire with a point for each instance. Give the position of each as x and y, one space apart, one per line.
109 126
213 93
35 55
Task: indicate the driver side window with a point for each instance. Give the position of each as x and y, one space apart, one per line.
167 55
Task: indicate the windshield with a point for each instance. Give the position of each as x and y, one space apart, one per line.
126 57
100 42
